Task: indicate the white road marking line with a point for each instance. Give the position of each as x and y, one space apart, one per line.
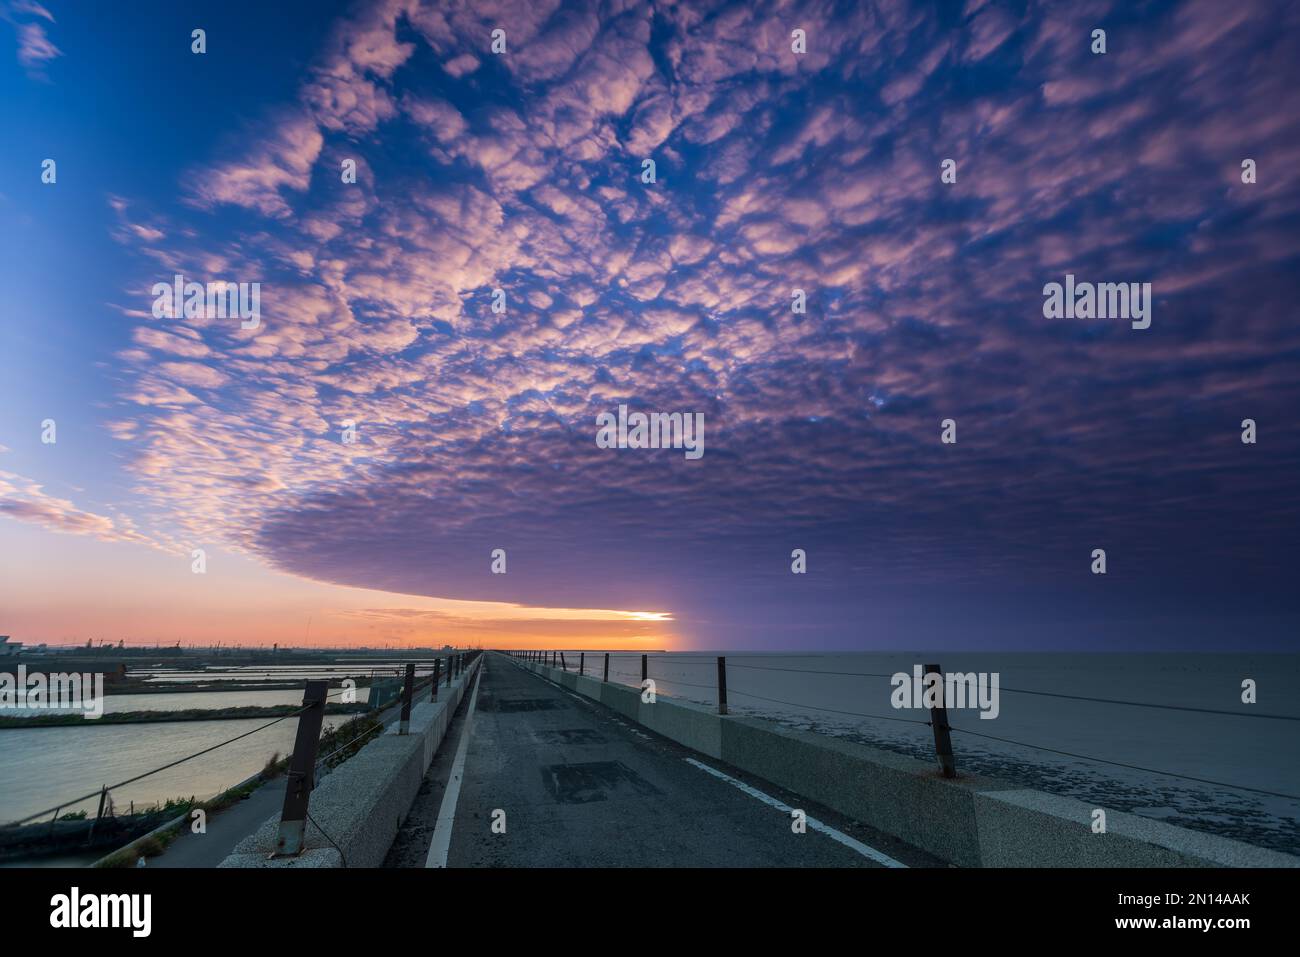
869 852
440 846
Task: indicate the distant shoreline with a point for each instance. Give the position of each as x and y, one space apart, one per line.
10 722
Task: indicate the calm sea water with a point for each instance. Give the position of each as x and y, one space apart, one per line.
41 766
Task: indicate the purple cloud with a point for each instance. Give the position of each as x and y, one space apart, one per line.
775 172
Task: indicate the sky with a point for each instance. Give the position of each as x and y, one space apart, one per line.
775 170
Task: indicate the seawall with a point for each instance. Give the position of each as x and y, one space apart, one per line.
361 804
969 821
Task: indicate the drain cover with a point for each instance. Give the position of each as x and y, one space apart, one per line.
509 705
571 736
593 781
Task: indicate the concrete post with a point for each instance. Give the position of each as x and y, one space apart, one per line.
437 676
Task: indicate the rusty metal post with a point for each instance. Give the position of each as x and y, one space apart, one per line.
722 684
942 733
99 816
301 776
607 666
408 686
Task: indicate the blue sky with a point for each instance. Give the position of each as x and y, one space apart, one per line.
775 171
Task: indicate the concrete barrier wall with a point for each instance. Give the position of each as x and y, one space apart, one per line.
970 821
361 804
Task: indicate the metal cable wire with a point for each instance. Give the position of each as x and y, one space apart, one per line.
1071 754
342 856
320 761
1046 694
1120 764
139 777
855 714
687 684
981 734
423 683
1023 744
1083 757
1163 707
809 671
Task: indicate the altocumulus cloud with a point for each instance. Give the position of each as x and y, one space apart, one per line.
775 172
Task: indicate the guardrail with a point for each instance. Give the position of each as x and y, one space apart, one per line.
969 820
938 722
304 763
351 819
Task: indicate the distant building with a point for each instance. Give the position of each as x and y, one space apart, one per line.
8 647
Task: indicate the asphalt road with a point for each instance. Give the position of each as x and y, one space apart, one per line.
582 787
224 830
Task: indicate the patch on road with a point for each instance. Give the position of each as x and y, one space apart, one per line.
513 705
593 781
572 736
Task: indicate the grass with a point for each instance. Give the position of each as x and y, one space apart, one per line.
150 846
346 739
154 844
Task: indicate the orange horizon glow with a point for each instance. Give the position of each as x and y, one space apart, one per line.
111 592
